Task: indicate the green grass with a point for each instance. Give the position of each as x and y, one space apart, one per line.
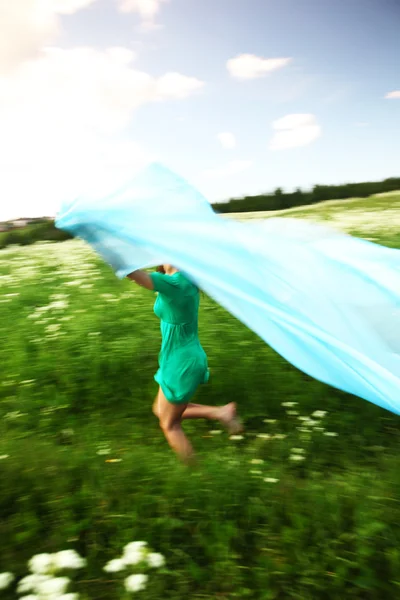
376 218
76 378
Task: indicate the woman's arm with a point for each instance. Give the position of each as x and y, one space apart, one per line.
142 278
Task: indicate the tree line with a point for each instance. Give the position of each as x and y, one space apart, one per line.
279 200
34 232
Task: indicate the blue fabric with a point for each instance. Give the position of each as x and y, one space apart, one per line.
327 302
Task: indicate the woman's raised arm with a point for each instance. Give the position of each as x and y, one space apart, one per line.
142 278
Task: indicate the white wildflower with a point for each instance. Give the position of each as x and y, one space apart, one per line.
53 327
134 546
30 597
134 553
115 565
280 436
69 596
319 428
54 586
271 480
136 583
296 457
236 438
69 559
264 436
256 461
298 450
41 564
304 430
319 414
103 451
311 423
4 456
215 431
289 404
29 583
254 472
270 421
302 418
6 580
331 433
59 304
155 560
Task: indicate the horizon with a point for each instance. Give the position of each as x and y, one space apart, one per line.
270 193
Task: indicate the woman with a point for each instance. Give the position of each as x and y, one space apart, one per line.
182 360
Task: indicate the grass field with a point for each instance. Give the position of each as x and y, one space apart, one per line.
376 218
305 507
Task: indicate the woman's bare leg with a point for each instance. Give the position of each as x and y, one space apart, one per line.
155 408
170 416
226 415
201 411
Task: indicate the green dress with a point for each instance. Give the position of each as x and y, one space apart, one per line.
182 360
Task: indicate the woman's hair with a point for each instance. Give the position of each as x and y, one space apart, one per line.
160 269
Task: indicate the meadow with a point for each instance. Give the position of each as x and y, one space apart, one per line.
304 506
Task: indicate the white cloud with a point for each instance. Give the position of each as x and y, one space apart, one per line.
295 130
27 25
66 112
249 66
294 121
175 85
121 55
232 168
227 140
147 9
83 89
24 27
395 95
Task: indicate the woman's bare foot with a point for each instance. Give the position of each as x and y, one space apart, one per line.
229 419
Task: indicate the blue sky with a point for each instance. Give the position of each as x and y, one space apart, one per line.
345 58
